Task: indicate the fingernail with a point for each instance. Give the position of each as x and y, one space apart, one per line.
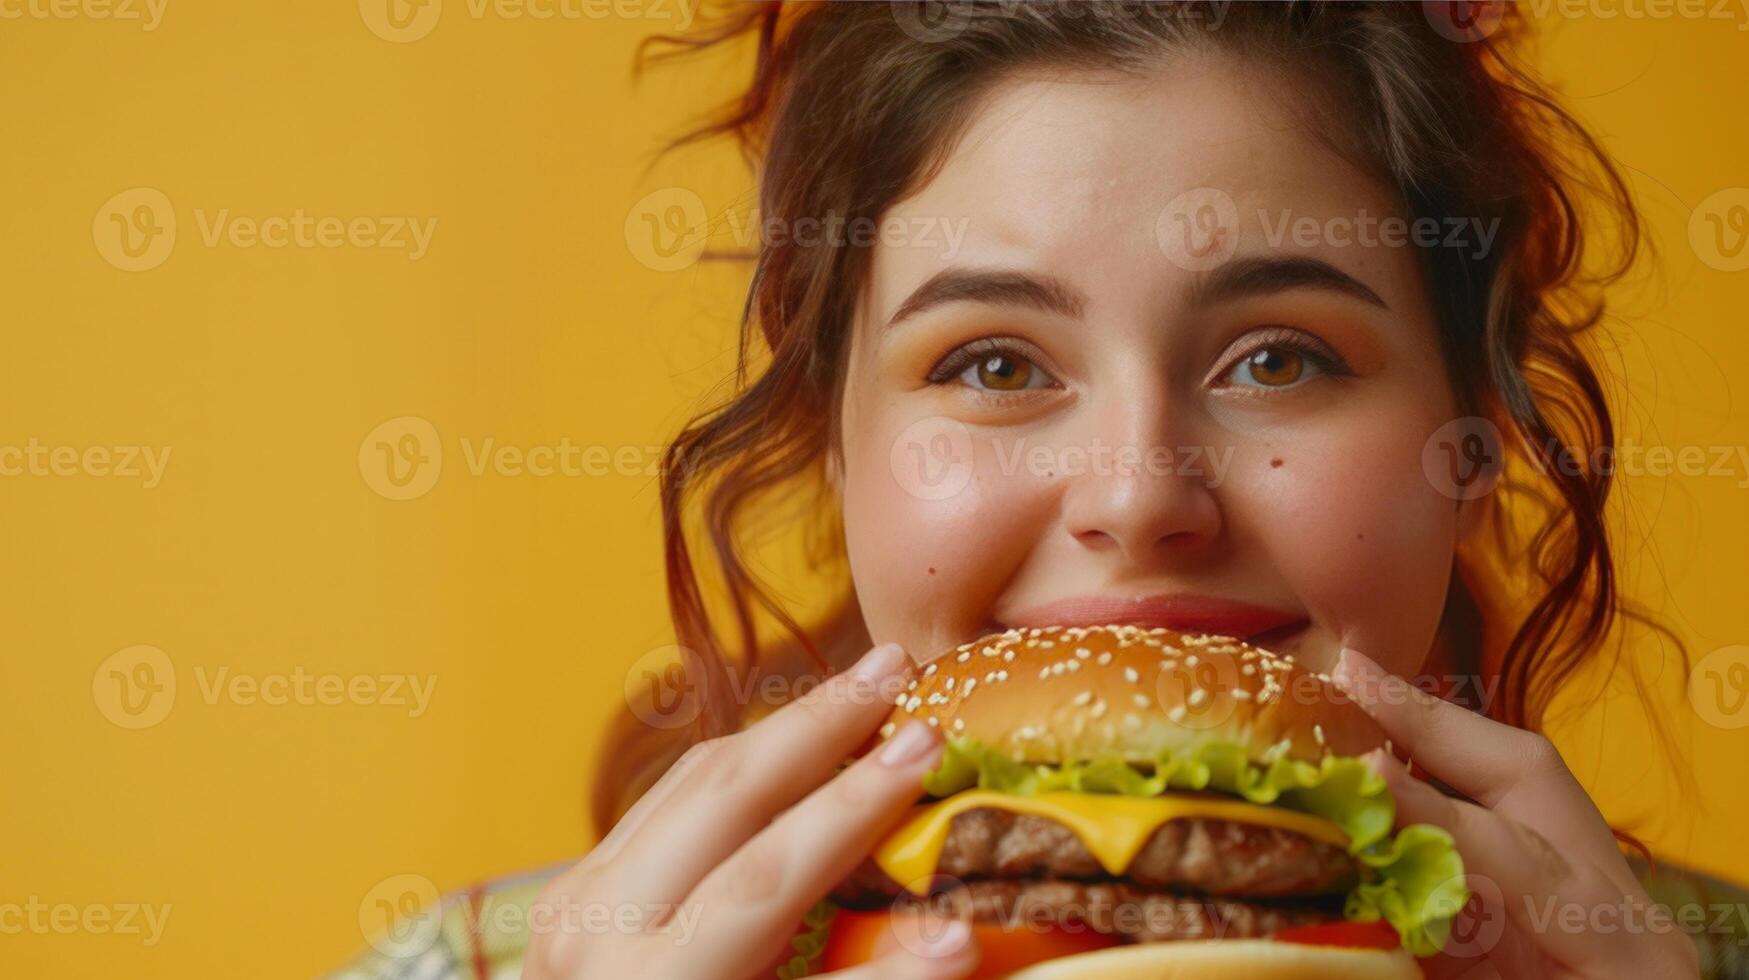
945 941
879 662
1348 669
1378 761
912 743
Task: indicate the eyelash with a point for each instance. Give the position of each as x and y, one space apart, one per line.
957 361
1317 351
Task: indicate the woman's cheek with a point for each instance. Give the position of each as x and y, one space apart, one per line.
1361 536
934 523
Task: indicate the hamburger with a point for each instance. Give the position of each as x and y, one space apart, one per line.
1121 802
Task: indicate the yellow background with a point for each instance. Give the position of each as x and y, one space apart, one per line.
530 320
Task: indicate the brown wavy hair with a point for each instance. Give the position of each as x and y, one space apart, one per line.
851 105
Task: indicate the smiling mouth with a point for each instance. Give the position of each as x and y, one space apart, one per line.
1258 625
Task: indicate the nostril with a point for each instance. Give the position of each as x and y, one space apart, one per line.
1096 540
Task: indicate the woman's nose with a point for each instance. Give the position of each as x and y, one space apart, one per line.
1146 500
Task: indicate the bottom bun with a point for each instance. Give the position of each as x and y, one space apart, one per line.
1228 958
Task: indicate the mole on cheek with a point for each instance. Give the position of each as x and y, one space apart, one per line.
1275 463
932 569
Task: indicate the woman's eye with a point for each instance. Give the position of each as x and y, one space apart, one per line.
1002 372
993 366
1274 367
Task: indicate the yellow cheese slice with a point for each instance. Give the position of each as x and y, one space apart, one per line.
1114 828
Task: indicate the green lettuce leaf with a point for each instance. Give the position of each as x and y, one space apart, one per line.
809 941
1414 880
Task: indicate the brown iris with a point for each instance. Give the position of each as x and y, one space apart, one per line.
1004 373
1275 368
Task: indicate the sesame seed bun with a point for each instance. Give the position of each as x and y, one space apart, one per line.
1056 695
1254 959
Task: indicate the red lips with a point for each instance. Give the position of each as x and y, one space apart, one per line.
1183 612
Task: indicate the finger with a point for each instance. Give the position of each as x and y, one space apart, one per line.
742 781
1538 888
652 800
1477 756
944 952
757 896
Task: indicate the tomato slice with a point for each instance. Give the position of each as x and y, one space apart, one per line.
1360 935
859 937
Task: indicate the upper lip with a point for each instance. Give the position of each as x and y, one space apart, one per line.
1181 611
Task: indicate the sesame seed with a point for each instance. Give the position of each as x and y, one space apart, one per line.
1008 656
1129 674
962 658
1141 700
1083 698
1318 733
1104 658
1098 709
1240 694
1177 712
971 682
949 684
928 670
959 724
1083 653
886 729
1190 660
1197 697
933 721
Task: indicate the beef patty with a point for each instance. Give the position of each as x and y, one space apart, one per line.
1192 854
1123 910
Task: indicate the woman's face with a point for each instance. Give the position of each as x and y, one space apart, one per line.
1080 392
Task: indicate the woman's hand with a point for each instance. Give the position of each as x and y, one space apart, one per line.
1553 895
710 874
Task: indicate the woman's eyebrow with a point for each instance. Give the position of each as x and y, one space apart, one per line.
1000 287
1237 279
1260 276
